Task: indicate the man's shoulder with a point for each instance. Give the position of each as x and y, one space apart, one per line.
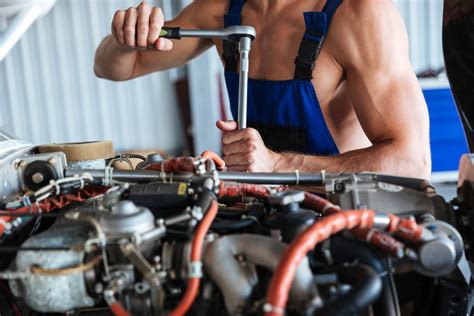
365 28
365 18
365 10
209 13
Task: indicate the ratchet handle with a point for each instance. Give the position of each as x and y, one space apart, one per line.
171 32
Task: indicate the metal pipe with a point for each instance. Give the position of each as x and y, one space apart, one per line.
17 27
244 50
231 33
134 176
287 178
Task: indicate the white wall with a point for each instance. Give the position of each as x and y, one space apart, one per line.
423 20
49 93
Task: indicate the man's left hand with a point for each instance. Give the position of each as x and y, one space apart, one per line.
244 150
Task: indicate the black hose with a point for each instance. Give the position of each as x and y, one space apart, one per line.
349 250
255 214
232 225
410 183
206 197
366 288
237 214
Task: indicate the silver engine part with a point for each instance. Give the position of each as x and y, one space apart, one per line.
67 291
11 150
404 196
53 293
127 219
237 277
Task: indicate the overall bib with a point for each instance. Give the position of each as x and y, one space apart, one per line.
286 113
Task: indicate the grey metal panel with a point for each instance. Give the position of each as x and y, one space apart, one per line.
204 74
49 93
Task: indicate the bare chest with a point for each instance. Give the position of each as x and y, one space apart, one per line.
277 44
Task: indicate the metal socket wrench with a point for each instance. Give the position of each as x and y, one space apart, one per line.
241 34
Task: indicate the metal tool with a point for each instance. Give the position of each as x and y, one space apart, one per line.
240 34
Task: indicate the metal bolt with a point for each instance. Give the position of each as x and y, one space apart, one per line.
52 161
98 288
37 178
339 187
20 164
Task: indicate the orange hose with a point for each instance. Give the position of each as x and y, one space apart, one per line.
118 310
284 274
220 163
360 220
196 252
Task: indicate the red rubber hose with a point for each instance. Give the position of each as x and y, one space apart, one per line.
283 277
196 252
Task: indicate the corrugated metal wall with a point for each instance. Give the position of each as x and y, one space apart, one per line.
49 93
423 20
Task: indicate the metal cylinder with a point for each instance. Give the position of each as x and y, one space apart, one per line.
244 50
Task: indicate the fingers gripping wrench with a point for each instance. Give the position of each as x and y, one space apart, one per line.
240 34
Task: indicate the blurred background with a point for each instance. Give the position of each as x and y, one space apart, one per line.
49 93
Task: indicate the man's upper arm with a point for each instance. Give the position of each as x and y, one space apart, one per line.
193 16
383 87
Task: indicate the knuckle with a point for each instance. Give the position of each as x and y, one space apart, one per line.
142 28
251 144
118 18
249 157
225 139
158 10
154 28
129 31
143 4
119 14
158 15
252 132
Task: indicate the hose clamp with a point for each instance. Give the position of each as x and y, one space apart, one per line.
269 308
195 270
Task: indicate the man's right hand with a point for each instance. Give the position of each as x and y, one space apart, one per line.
139 28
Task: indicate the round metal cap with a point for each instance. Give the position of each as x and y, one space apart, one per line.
127 218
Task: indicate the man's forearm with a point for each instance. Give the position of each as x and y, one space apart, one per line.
383 158
113 61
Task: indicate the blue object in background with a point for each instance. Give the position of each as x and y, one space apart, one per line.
448 142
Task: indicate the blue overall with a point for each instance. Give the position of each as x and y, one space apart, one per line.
286 113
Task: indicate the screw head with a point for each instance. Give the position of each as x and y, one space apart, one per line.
37 178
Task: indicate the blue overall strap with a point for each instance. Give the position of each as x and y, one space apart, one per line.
317 25
231 49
